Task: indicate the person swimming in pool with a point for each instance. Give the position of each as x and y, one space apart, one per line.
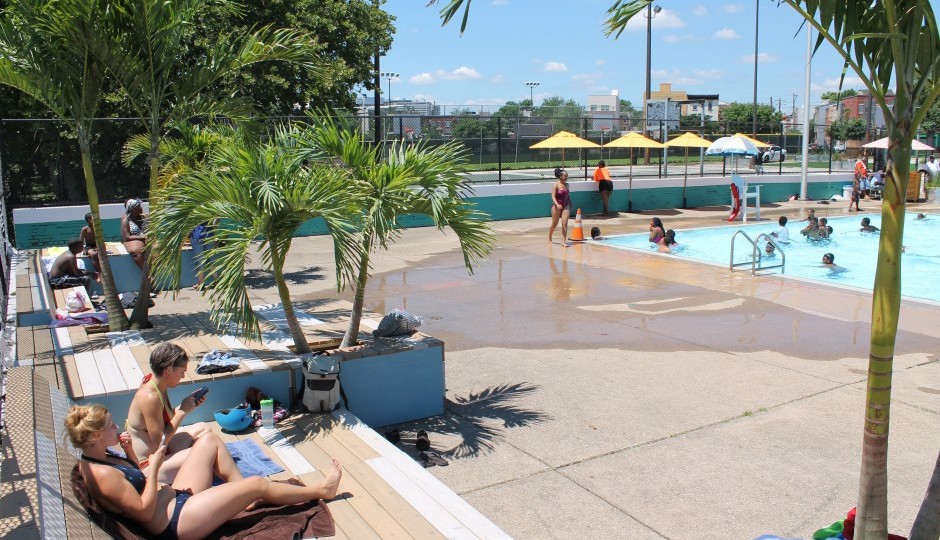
867 226
829 261
668 243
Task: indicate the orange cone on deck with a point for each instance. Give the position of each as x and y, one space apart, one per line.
577 233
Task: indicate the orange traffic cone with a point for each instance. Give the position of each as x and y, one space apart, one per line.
577 233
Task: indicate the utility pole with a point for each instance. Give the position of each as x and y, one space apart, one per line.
793 107
756 26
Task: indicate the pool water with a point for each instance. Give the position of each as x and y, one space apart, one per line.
854 251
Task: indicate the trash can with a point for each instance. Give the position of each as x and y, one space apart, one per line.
847 191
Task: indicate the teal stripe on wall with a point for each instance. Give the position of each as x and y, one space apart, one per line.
36 235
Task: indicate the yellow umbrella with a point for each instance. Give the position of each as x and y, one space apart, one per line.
564 139
632 140
688 140
759 144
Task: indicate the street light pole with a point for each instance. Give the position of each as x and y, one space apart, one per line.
756 20
390 76
650 13
532 86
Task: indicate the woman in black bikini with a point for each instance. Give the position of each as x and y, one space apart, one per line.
192 507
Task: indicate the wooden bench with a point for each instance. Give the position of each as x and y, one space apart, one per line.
383 494
126 272
108 368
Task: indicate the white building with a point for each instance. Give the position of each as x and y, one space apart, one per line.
604 111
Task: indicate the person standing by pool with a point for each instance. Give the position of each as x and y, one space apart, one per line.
867 226
657 230
604 184
861 171
781 233
561 205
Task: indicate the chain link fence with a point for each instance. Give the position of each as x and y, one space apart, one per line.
41 165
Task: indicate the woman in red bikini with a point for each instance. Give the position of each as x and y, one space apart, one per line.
152 420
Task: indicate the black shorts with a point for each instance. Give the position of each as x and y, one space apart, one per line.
605 185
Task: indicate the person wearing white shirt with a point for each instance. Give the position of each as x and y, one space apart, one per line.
933 166
781 234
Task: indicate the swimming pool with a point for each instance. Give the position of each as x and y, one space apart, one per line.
855 251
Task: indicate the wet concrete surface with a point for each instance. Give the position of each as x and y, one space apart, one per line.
598 393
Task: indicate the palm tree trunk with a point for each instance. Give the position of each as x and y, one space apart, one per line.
872 519
300 341
927 523
352 332
117 319
140 317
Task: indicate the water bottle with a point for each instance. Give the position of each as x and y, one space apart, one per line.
267 413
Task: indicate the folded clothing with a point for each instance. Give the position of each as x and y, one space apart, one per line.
216 362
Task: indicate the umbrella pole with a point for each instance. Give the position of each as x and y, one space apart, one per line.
685 180
630 188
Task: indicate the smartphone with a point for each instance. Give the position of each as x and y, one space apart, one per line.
201 392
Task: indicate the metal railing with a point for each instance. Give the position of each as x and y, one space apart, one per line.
756 262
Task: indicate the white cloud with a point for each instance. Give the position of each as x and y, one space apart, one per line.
422 78
726 33
460 74
832 85
554 67
762 58
665 19
589 80
497 79
600 62
424 97
713 74
500 2
700 11
733 8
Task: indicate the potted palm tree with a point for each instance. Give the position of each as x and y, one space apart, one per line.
261 191
412 179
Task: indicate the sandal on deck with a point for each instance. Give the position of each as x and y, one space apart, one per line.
432 458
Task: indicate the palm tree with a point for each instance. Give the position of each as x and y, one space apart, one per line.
886 42
46 52
414 179
164 86
260 191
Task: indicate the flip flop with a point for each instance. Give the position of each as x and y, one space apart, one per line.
422 442
393 435
433 458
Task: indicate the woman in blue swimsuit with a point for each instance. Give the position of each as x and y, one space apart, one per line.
561 205
192 507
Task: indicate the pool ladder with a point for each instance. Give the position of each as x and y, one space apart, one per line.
757 254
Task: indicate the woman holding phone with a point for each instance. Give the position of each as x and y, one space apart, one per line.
152 420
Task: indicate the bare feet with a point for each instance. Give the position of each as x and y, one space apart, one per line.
333 475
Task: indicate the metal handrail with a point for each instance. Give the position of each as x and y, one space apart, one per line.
756 255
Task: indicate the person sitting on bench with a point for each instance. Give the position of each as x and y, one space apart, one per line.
134 230
192 506
87 236
65 272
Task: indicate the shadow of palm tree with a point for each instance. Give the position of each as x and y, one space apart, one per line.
257 278
471 418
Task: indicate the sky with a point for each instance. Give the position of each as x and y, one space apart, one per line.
700 46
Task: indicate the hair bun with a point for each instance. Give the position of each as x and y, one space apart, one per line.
558 171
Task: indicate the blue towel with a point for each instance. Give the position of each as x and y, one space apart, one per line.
251 460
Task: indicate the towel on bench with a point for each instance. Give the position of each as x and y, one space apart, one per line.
251 459
216 362
311 519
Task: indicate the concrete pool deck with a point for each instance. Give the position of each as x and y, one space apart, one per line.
599 393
